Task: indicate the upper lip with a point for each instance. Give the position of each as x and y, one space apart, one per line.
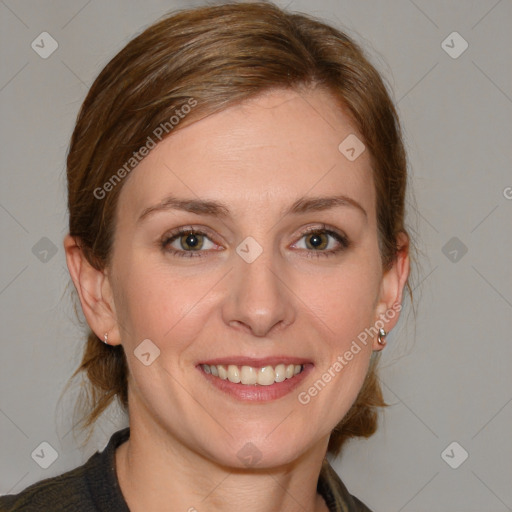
256 362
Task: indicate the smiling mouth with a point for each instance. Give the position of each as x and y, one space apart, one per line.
251 376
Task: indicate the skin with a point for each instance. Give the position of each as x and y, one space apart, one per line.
256 158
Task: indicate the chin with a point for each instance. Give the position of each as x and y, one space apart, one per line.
261 451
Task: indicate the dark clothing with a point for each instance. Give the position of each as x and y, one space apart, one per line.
93 487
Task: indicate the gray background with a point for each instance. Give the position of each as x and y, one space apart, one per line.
446 373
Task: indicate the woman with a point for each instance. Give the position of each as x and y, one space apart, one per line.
236 184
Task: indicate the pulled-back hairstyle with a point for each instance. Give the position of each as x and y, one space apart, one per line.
217 57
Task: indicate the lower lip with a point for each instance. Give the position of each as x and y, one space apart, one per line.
257 393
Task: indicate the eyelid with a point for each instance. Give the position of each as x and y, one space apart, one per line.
181 230
322 227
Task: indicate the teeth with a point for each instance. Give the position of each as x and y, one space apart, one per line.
223 373
233 374
280 372
266 376
248 375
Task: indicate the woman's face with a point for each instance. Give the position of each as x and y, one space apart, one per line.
283 269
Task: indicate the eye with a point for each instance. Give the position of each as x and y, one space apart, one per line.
321 241
191 242
185 241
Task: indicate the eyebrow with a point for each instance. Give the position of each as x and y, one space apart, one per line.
218 209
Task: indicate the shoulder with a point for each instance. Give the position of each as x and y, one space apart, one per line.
66 492
359 505
336 495
91 487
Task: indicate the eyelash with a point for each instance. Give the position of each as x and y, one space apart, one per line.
172 236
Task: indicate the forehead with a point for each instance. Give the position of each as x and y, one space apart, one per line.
262 154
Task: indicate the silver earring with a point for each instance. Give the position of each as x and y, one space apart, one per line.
105 338
382 334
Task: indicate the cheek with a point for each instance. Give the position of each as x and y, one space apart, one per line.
343 300
344 307
161 305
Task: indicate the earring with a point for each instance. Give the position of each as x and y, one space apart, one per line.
382 334
105 338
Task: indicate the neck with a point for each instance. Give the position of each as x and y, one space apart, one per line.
178 479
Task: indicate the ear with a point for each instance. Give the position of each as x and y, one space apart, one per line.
95 292
392 286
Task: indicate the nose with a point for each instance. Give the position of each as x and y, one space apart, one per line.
258 299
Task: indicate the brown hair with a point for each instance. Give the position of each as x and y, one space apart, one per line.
220 56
